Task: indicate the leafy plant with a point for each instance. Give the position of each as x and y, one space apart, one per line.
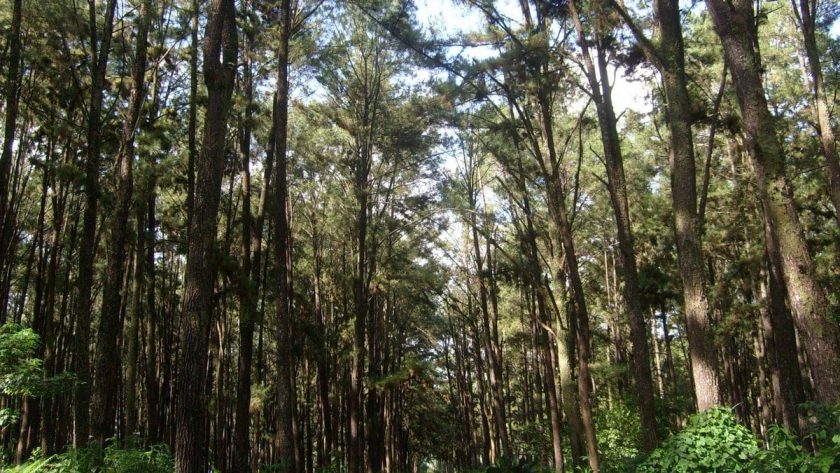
618 436
21 371
157 459
714 441
785 453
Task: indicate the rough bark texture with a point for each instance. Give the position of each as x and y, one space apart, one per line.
668 56
614 162
192 120
285 394
246 285
13 72
684 197
84 280
108 360
786 376
735 25
220 53
806 19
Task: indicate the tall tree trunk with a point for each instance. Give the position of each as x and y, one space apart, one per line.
785 374
613 160
13 73
84 281
806 19
132 335
107 364
493 368
246 285
736 26
154 415
192 113
684 196
30 418
285 395
668 56
220 54
544 322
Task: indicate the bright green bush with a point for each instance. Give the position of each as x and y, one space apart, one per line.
157 459
785 453
618 436
713 442
22 372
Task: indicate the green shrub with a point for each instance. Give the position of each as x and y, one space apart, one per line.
618 431
157 459
713 442
21 372
785 454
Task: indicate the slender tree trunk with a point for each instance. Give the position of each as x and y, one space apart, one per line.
613 160
13 73
220 54
736 26
285 395
246 286
106 380
806 13
30 418
153 374
532 251
192 120
84 281
785 374
132 335
493 368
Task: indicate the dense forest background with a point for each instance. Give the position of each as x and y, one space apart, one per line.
393 235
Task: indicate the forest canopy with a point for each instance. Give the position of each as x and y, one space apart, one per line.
419 236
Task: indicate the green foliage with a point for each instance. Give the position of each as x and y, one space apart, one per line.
514 465
281 466
714 441
335 465
20 371
157 459
618 436
36 466
785 453
533 438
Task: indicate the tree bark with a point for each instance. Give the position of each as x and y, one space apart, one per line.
785 374
220 54
282 256
806 13
108 355
84 281
13 73
246 285
614 163
736 26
